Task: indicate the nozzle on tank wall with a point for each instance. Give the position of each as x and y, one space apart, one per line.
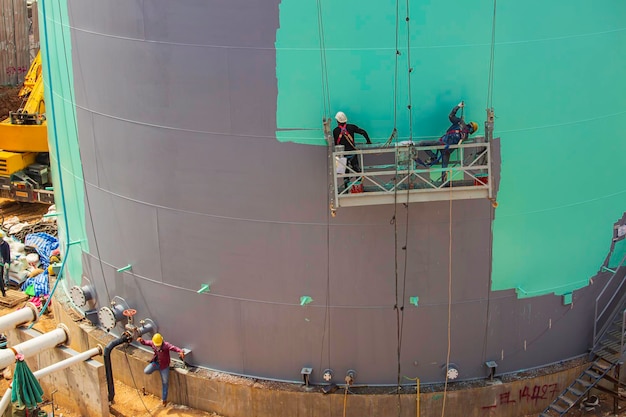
109 316
145 326
81 295
350 376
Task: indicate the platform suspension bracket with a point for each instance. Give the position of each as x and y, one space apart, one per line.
331 164
489 124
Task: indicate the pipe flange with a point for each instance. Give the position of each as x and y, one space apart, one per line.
106 317
35 311
67 334
148 326
81 295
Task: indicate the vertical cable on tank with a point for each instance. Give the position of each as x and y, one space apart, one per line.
445 386
324 70
492 58
400 300
326 105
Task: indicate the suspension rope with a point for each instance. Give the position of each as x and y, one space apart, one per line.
491 214
130 369
410 70
488 289
327 307
329 161
323 61
400 301
394 132
445 386
492 58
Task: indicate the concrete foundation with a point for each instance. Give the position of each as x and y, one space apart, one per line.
80 387
233 396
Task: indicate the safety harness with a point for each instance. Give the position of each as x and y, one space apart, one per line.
344 132
453 136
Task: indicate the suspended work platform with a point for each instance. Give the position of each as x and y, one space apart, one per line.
397 172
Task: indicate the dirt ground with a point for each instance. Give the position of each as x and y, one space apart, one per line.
132 402
27 212
129 402
9 101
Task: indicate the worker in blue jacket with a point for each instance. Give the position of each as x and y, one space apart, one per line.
456 133
161 360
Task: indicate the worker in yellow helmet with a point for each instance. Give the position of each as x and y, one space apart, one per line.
456 133
161 360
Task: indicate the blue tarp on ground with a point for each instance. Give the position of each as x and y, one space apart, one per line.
44 244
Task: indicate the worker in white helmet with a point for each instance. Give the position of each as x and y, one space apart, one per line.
161 360
344 135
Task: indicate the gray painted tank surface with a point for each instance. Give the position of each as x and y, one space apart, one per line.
187 182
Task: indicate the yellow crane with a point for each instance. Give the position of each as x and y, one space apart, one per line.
24 162
25 129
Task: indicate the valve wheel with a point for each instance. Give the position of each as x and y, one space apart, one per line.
129 312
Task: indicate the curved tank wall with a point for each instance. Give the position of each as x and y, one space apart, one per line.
202 162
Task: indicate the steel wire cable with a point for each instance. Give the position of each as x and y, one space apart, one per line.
326 106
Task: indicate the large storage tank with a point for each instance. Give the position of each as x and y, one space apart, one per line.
188 144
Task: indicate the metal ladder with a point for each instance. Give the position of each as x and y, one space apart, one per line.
608 344
606 359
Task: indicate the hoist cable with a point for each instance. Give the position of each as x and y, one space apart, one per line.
409 69
326 105
323 61
445 386
492 58
395 76
400 303
394 132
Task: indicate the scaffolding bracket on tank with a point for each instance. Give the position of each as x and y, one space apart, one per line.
397 174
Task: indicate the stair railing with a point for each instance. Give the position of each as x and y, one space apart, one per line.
616 299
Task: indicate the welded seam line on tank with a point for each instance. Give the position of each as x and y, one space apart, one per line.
578 121
578 203
292 138
217 216
135 275
315 49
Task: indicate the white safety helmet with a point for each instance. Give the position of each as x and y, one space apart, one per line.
341 117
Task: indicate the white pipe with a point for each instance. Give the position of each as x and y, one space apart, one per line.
81 357
6 398
34 346
18 317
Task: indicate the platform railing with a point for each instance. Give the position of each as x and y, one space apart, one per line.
387 172
609 301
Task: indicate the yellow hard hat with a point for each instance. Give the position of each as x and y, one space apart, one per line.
473 127
157 339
